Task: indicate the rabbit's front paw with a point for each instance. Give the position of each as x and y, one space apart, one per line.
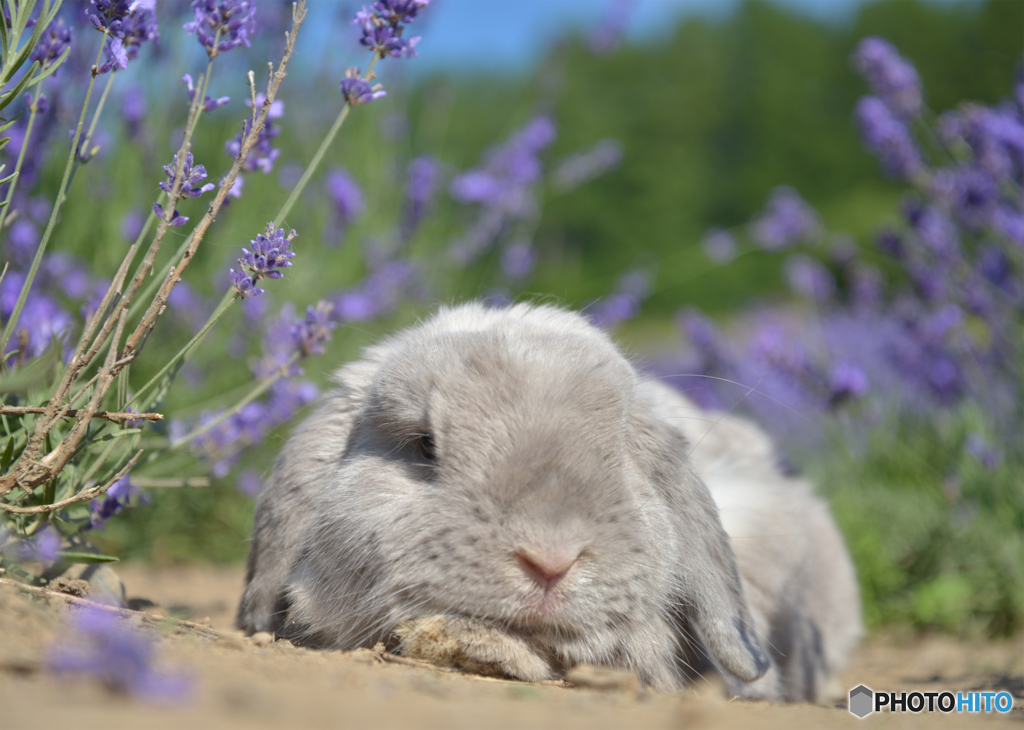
472 646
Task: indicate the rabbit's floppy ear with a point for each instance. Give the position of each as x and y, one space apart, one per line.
288 498
708 594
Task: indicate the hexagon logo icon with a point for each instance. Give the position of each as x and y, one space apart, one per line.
861 701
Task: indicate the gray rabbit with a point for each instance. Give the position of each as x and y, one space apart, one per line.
501 490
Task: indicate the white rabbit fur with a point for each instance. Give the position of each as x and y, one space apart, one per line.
547 443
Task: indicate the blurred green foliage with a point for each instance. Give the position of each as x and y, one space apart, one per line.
936 538
710 121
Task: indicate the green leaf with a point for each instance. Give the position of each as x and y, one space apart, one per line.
117 435
52 68
41 24
8 456
20 13
9 96
8 122
74 557
4 41
29 375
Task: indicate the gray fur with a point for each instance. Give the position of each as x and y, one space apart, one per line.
547 440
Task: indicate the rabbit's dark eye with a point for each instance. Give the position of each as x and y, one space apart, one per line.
427 449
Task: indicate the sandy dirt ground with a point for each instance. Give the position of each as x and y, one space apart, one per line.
240 684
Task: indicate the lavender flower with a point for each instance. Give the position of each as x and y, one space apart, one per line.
424 174
249 482
887 136
382 25
846 381
933 228
995 138
1010 223
623 304
39 106
498 298
35 149
117 58
987 456
99 290
786 220
378 294
867 287
518 260
613 310
971 193
699 330
138 422
108 15
123 660
890 76
262 155
387 41
587 164
54 41
276 110
209 103
503 185
187 306
889 242
719 245
99 141
244 284
395 12
191 177
10 289
357 91
22 240
279 345
606 37
43 547
221 25
951 334
222 445
42 321
65 273
346 196
311 333
117 497
809 279
133 109
177 219
270 254
131 225
128 25
139 27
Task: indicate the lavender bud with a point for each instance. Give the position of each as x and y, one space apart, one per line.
311 333
177 219
220 25
887 136
809 279
357 91
890 76
719 245
786 220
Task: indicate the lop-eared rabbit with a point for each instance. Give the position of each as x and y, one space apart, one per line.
503 486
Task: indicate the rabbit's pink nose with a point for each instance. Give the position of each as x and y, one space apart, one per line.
547 568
